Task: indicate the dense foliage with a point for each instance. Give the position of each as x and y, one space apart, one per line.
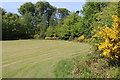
34 19
104 17
10 26
70 27
89 12
42 20
111 36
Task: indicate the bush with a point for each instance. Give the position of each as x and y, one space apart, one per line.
51 38
70 28
36 36
50 31
110 47
87 66
81 38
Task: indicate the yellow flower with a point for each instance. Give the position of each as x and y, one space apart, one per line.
111 44
114 16
116 56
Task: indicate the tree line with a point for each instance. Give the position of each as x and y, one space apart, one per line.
44 20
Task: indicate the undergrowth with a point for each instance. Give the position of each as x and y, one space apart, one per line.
89 66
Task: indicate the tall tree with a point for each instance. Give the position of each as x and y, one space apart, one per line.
41 13
10 25
62 12
42 8
58 16
27 7
27 28
104 17
70 27
2 12
53 20
88 12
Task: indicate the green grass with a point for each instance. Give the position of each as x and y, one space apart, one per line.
87 66
38 58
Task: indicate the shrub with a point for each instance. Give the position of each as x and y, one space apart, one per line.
81 38
110 47
50 31
36 36
48 38
51 38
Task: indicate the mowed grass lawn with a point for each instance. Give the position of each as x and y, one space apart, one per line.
37 58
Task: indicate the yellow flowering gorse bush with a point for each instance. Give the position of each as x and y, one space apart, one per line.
36 36
81 38
111 36
51 38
